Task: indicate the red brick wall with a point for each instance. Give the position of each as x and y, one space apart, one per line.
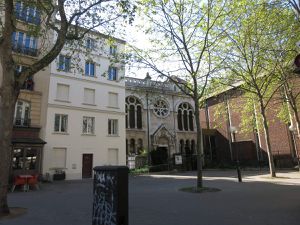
279 133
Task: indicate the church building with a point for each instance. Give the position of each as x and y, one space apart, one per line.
159 117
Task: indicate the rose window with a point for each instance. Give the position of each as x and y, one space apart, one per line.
161 108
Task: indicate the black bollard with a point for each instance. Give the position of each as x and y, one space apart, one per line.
110 206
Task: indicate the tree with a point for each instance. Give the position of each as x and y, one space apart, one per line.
251 53
296 6
183 34
67 20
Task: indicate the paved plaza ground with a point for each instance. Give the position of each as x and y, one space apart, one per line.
154 199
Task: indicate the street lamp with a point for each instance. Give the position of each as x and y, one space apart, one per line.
292 129
234 131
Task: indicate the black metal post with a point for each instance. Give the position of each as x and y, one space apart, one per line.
238 170
110 204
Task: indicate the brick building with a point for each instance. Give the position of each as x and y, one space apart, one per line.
226 137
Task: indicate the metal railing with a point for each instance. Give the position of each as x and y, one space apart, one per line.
25 50
22 122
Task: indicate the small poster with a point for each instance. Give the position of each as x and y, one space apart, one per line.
178 159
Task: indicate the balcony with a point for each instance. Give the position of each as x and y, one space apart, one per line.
32 20
22 122
25 50
28 85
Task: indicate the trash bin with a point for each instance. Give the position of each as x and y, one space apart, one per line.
110 206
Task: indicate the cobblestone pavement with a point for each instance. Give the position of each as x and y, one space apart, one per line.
154 199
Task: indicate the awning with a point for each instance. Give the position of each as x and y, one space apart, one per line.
37 141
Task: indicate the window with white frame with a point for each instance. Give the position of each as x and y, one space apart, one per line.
24 43
113 50
27 13
64 63
22 113
112 127
62 92
61 123
89 96
89 69
112 73
90 43
88 125
113 100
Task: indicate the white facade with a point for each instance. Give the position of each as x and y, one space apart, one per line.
82 108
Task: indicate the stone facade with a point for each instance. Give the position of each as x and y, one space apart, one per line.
158 116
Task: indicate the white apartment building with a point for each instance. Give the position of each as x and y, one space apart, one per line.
85 122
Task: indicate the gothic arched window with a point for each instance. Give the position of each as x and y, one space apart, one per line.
140 146
185 117
193 146
132 146
133 109
181 146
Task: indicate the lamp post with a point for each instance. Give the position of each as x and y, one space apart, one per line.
292 129
234 131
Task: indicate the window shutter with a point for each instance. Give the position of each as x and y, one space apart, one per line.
34 43
31 15
67 63
89 96
59 158
18 9
13 39
37 17
62 92
27 41
86 68
92 69
113 99
20 39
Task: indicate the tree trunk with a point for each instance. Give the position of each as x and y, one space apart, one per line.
199 146
293 104
268 143
8 98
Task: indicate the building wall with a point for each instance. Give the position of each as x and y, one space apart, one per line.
169 122
34 98
250 148
74 142
77 143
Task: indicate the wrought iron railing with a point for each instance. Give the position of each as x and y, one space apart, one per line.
22 122
25 50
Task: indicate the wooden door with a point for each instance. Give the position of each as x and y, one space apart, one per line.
87 165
